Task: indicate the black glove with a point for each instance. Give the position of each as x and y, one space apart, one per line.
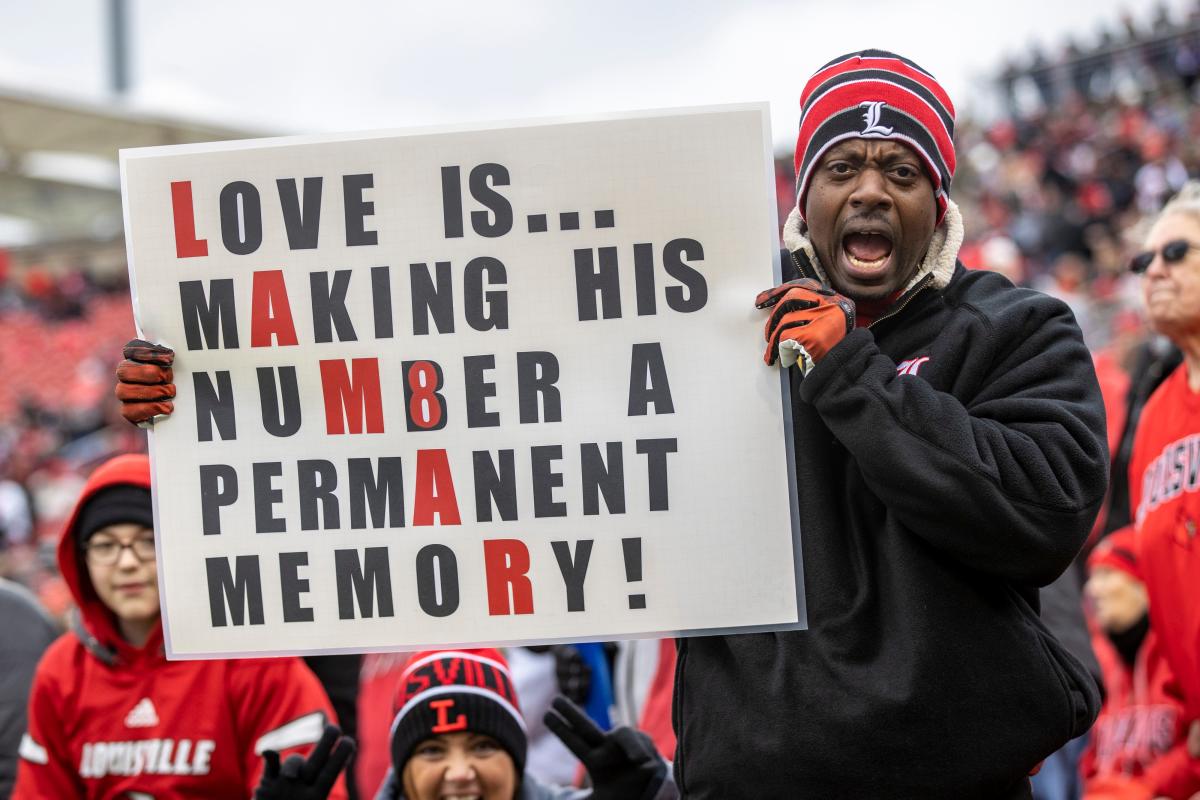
573 673
144 381
300 778
623 764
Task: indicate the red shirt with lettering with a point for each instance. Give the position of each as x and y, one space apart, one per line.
110 720
1164 490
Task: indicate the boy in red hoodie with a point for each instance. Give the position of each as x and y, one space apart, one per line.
109 716
1138 746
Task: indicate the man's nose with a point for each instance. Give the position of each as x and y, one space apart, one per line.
870 192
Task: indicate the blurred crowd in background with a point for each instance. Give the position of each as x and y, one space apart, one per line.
1055 191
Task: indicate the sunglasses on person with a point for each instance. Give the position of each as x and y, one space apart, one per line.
1172 252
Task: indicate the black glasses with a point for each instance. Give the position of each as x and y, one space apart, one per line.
1172 252
106 552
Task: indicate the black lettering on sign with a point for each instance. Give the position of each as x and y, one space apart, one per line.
329 306
478 389
270 395
601 477
241 218
643 275
381 301
363 582
591 281
383 495
214 406
430 298
239 588
648 381
696 295
358 209
655 451
537 372
452 218
291 586
483 178
546 480
485 310
495 485
266 497
437 580
317 480
302 224
215 320
218 487
573 569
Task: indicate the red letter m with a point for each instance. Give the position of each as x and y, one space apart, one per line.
347 397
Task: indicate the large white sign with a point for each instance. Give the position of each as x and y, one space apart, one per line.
467 386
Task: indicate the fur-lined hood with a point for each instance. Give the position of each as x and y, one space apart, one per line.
939 259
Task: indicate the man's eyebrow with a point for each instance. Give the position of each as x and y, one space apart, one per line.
844 154
903 154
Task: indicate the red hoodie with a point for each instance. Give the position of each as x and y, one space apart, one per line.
110 720
1140 732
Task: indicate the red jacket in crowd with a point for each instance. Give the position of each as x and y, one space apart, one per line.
109 720
1164 494
1140 731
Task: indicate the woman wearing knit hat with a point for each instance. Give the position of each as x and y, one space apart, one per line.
110 717
458 733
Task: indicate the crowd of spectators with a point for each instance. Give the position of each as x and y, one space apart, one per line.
1056 191
53 429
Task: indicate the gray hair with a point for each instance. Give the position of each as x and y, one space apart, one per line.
1186 202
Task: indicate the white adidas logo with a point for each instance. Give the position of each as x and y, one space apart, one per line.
142 716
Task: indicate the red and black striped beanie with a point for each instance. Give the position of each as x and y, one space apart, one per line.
875 94
457 691
1118 550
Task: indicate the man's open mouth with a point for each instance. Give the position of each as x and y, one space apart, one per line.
867 250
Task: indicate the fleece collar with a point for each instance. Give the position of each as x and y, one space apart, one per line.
939 259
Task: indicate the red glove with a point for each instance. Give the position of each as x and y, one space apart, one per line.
808 313
144 384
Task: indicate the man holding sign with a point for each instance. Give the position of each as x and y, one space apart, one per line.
950 459
441 385
948 432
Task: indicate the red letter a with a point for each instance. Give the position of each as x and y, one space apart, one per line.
270 311
434 492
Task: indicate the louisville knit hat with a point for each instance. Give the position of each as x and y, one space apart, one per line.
1118 550
875 94
451 691
114 505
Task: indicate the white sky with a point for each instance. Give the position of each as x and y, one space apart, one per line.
316 65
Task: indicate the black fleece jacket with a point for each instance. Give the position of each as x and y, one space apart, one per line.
931 507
